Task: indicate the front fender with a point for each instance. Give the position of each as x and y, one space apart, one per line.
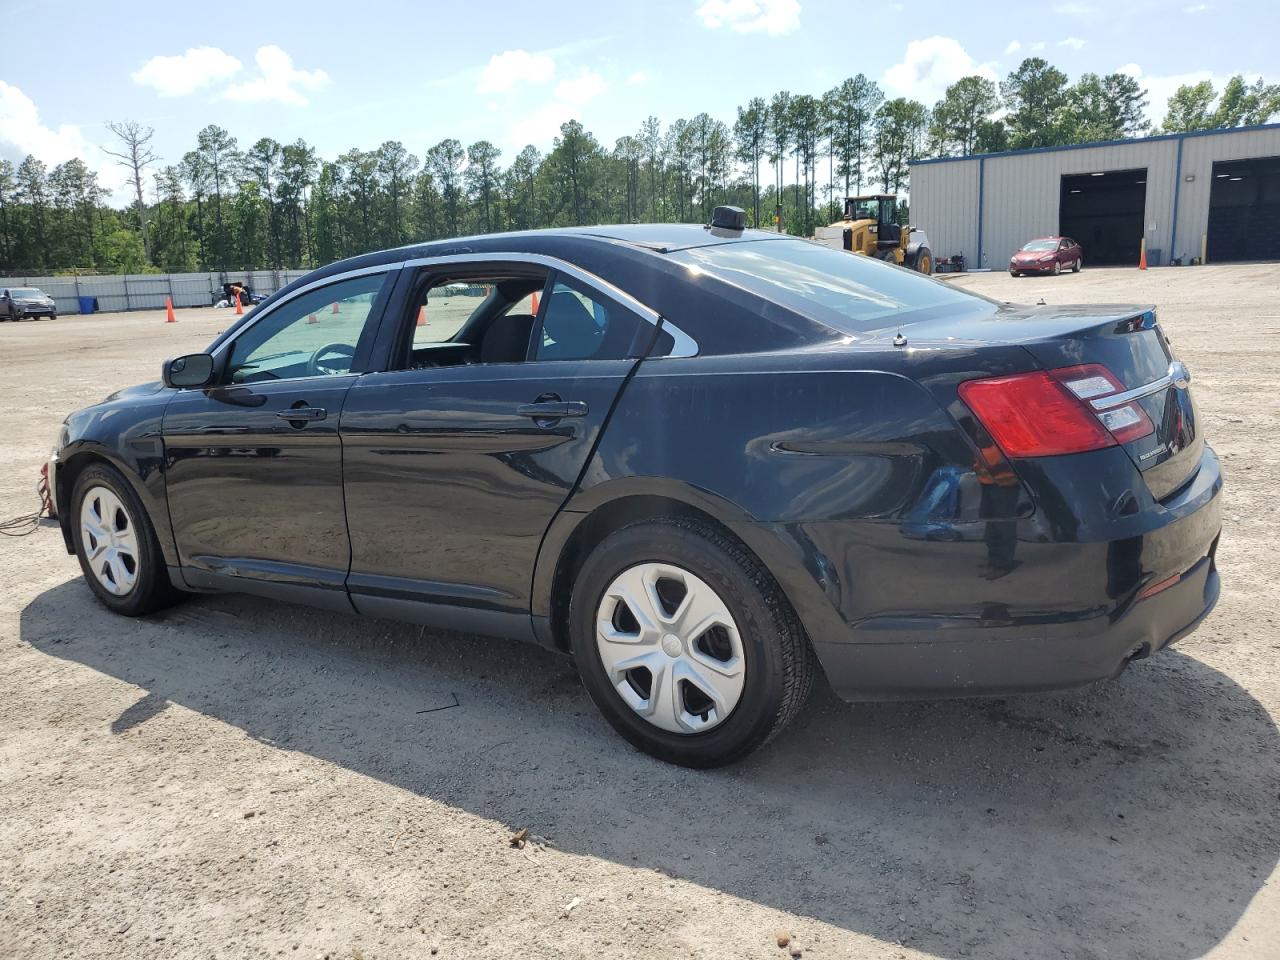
124 431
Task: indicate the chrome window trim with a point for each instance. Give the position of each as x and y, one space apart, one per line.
683 345
1137 393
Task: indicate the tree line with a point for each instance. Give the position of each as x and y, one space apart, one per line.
271 205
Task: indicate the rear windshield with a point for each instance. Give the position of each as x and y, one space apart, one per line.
851 292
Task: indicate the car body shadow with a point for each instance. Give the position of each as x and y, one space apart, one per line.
1136 818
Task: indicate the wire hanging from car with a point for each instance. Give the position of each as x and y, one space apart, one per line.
28 523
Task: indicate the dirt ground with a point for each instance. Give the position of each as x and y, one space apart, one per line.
240 778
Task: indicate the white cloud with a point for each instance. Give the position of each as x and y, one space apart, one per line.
188 72
1197 8
637 78
1075 9
541 125
929 66
1161 87
774 17
279 80
515 68
22 133
582 89
1013 47
1075 43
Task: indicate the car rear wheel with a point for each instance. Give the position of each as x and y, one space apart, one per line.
117 545
685 643
1078 265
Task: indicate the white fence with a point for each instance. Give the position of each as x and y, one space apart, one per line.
147 291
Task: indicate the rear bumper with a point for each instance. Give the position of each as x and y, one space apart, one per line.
997 608
925 664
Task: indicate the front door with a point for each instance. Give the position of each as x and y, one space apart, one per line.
254 464
454 470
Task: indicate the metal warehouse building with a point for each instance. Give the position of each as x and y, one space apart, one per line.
1219 187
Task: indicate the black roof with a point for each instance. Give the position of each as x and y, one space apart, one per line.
563 242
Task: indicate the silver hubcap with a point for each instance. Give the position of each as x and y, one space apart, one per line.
670 648
110 541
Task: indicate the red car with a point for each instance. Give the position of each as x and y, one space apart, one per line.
1047 255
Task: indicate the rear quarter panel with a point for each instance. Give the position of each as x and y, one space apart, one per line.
780 447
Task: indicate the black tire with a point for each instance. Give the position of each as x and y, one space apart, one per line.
924 261
152 589
1078 265
779 663
1057 268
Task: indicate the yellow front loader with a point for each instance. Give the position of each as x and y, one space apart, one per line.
870 228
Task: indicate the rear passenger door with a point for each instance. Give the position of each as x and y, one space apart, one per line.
455 465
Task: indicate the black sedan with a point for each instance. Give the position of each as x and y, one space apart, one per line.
702 461
18 303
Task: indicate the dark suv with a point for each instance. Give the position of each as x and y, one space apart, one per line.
18 303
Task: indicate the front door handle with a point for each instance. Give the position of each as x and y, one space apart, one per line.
303 413
552 409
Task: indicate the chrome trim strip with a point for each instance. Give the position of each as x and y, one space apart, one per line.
683 346
1137 393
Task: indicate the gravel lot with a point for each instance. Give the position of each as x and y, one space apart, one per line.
240 778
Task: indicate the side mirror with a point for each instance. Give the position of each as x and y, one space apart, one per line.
193 370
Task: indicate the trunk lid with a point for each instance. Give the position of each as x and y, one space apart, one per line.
1128 341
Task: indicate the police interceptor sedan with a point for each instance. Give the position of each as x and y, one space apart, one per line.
701 461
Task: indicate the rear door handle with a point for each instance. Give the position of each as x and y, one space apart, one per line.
552 409
303 413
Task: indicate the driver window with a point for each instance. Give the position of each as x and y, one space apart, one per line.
313 335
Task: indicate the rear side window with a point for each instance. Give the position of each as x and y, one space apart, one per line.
849 292
580 325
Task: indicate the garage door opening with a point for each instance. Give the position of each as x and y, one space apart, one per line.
1244 210
1103 213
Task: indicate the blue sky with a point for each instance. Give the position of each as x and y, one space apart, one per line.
345 75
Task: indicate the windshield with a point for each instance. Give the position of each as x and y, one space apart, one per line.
1041 246
852 293
26 292
866 210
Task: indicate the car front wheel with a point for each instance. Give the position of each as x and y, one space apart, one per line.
117 546
685 643
1057 267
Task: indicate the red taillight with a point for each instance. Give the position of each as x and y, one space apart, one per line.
1033 415
1048 413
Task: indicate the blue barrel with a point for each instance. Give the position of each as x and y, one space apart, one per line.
88 304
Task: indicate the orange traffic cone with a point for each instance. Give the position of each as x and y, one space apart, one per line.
311 318
168 311
239 306
335 306
535 304
422 315
1142 257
